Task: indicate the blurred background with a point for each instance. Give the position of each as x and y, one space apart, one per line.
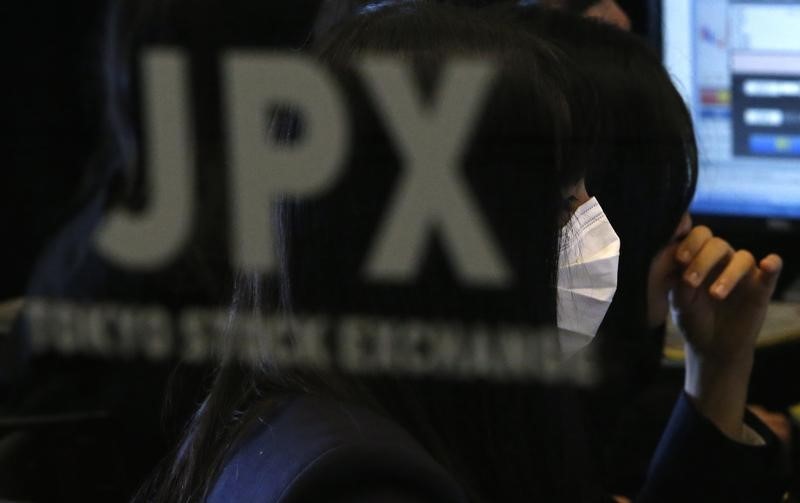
77 428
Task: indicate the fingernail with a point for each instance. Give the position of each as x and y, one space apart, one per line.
693 278
720 290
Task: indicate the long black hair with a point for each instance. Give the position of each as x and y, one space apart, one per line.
503 442
644 173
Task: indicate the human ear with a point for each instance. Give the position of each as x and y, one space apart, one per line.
572 197
576 194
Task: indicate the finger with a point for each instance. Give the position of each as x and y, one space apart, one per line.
772 263
742 263
692 244
777 422
769 271
713 252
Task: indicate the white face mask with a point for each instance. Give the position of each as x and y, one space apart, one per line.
587 275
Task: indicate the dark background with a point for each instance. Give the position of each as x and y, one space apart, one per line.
87 430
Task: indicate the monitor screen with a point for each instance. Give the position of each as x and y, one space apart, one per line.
737 62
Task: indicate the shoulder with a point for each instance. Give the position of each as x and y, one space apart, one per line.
316 449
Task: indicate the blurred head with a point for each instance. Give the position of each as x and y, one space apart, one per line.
526 135
61 156
525 161
607 11
610 12
526 154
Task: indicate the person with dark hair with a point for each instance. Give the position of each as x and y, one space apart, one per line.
645 173
350 438
644 170
78 427
269 433
61 415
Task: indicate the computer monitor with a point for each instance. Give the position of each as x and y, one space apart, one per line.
737 62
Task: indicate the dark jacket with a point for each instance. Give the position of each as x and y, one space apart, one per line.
314 449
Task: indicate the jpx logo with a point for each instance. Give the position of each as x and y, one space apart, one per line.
430 196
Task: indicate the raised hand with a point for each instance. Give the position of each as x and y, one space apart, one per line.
721 303
720 306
